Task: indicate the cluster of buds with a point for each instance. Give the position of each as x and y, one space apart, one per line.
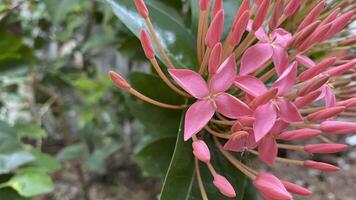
258 90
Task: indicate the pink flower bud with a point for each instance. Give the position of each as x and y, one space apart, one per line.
218 5
313 14
261 14
292 7
201 151
312 85
277 12
325 148
271 187
296 189
146 44
307 99
247 121
224 186
331 17
317 69
300 134
321 166
326 113
302 35
119 80
215 30
258 2
347 103
341 69
264 98
215 58
245 6
141 7
338 127
315 37
240 28
339 23
204 4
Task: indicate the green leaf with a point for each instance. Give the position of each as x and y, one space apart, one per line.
58 10
12 153
177 40
44 161
30 182
96 161
179 179
155 156
159 122
72 152
30 130
10 194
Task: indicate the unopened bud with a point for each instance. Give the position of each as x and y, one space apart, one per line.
224 186
119 80
141 7
201 151
321 166
325 148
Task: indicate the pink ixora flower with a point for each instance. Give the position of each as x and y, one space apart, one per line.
272 46
211 96
271 187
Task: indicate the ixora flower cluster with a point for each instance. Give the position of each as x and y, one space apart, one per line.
240 105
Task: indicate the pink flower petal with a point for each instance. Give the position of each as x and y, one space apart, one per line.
286 81
262 126
271 187
224 77
268 150
261 35
231 106
278 127
190 81
305 61
251 85
280 59
330 99
288 112
197 116
281 36
255 57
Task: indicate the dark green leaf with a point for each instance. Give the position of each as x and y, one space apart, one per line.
155 156
10 194
176 39
179 179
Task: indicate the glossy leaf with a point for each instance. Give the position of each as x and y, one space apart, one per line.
72 152
30 182
154 157
174 36
179 179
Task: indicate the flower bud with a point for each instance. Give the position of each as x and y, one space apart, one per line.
347 103
300 134
315 37
325 148
204 4
271 187
292 7
224 186
312 85
331 17
303 34
239 28
313 14
317 69
141 7
264 98
341 69
338 127
245 6
261 14
321 166
215 30
146 44
119 80
277 12
201 151
326 113
215 58
296 189
339 23
218 5
307 99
